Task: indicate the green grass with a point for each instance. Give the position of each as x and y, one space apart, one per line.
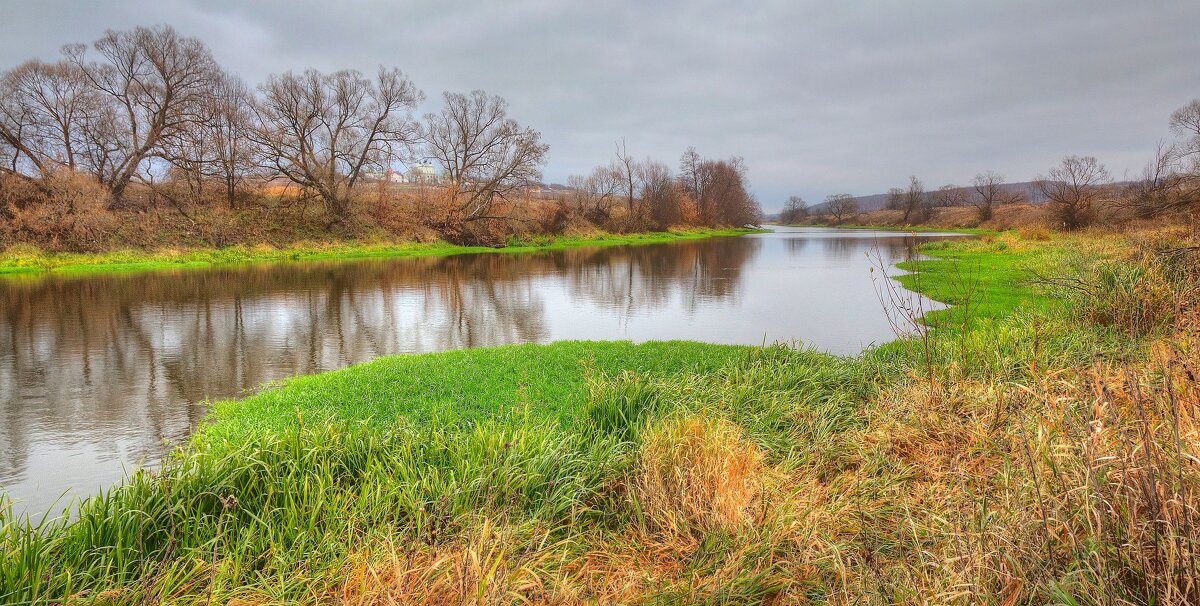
1002 312
539 437
991 276
464 386
24 260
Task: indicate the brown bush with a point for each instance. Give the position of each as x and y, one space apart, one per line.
554 218
1036 233
65 211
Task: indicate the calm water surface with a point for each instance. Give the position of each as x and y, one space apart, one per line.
102 373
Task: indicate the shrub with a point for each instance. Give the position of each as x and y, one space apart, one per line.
65 211
1035 233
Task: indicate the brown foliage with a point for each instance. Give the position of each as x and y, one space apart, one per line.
64 211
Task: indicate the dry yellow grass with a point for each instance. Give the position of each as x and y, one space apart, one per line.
700 474
487 567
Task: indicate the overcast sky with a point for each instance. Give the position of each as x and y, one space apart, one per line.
818 97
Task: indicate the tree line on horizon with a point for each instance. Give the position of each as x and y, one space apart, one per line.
146 120
1075 191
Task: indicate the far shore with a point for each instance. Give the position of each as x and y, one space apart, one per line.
26 260
919 229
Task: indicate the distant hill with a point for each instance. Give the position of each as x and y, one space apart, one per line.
879 201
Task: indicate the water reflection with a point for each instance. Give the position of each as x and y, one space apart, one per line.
99 373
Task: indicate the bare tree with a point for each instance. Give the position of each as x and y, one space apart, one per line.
895 198
596 194
44 108
912 200
794 210
322 130
219 146
1185 122
1151 193
628 169
841 206
987 193
691 175
659 193
156 83
1072 189
229 123
485 154
1185 154
947 196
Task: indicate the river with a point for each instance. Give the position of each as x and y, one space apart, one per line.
101 373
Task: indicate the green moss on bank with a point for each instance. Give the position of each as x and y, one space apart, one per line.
23 259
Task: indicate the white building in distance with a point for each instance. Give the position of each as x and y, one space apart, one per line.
424 173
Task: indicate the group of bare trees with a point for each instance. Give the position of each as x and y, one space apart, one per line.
841 206
986 193
719 189
1171 180
1075 191
108 110
629 194
795 210
321 131
912 200
152 107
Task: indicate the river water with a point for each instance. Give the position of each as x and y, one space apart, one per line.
103 373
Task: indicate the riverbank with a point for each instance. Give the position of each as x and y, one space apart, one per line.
29 260
1030 217
918 229
975 458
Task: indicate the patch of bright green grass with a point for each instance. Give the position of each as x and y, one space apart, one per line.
987 279
1003 313
27 260
465 385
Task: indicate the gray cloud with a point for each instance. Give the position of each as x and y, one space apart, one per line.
819 97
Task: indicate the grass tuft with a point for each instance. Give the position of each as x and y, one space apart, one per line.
699 475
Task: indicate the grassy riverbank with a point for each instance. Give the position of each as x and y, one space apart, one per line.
25 259
918 229
1038 451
